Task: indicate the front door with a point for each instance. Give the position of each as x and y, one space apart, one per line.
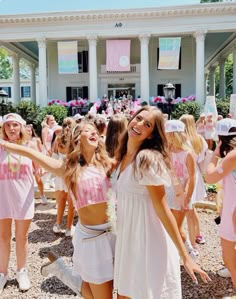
120 90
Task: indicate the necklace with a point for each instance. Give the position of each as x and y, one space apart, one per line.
13 167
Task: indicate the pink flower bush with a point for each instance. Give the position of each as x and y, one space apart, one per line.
161 99
72 103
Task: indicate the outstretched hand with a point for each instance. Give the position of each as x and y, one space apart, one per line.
191 267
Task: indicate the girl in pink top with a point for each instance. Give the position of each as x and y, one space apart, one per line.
47 133
226 170
183 161
16 200
85 171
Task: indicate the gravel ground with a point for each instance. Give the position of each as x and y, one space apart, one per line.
41 239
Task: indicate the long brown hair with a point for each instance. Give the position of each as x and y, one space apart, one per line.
152 148
116 126
228 143
75 160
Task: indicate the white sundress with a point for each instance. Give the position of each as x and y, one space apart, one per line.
147 264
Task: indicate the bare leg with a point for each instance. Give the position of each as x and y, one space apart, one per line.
122 297
70 213
103 290
229 257
40 184
191 220
22 229
61 204
179 217
5 244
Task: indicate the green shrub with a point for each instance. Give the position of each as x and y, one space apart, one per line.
223 107
192 108
33 114
211 188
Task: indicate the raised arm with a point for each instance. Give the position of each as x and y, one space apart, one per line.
52 165
158 198
214 172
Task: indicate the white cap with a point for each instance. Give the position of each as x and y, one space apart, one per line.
13 117
174 125
77 116
224 125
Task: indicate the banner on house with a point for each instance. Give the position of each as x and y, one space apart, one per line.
169 49
232 107
118 55
210 107
67 57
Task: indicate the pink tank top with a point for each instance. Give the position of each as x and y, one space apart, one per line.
179 164
93 186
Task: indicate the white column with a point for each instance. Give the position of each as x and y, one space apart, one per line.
234 70
16 77
32 83
43 94
200 60
222 78
206 76
211 79
144 78
93 80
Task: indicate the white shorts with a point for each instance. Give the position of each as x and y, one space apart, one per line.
60 184
93 257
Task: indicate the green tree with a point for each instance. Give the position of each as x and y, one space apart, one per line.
228 77
210 1
5 65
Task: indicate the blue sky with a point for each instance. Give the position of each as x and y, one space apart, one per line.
34 6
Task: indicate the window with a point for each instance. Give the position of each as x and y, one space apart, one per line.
73 93
83 62
160 91
7 89
179 59
25 91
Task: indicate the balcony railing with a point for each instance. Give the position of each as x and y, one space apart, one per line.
134 68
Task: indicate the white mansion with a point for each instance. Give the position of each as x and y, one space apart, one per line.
207 31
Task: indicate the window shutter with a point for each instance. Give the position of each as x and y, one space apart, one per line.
9 91
68 94
160 91
85 61
22 92
85 92
177 90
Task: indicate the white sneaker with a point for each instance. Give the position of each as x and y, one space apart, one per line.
44 199
3 281
23 279
194 254
56 228
70 232
224 272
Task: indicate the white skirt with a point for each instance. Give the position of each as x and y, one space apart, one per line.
93 257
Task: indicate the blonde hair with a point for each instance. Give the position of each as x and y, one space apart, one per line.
62 138
24 136
44 123
191 133
75 160
178 139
